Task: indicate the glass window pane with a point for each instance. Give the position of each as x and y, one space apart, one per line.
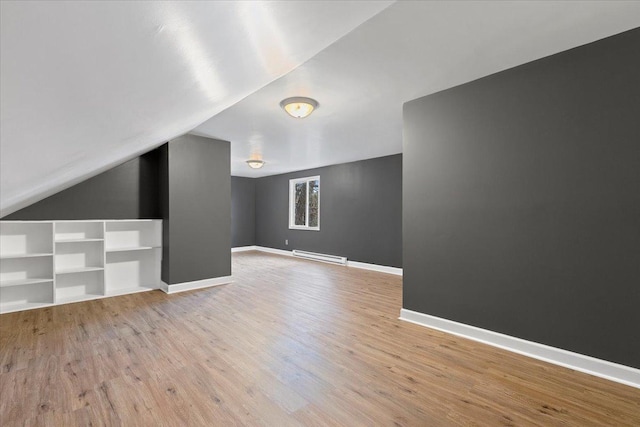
314 196
301 204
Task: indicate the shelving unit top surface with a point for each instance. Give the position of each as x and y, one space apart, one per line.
23 282
25 255
79 240
131 248
78 270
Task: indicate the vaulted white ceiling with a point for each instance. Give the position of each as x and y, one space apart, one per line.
87 85
409 50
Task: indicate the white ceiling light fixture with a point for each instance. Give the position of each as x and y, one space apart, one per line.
255 163
299 107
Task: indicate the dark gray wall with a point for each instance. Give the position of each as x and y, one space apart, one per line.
198 209
522 201
163 183
360 211
128 191
243 211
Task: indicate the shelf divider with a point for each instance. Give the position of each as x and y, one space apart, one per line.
132 248
78 240
16 256
79 270
23 282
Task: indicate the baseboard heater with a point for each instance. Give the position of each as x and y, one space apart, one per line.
320 257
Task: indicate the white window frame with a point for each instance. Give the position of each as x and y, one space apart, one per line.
292 207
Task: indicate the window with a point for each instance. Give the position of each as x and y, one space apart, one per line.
304 203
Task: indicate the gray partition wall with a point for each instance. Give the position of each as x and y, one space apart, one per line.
196 181
521 204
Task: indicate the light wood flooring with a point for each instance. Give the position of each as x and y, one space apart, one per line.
291 342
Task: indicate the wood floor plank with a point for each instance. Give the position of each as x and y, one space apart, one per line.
290 343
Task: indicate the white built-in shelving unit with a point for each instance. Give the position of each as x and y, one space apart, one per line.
130 245
46 263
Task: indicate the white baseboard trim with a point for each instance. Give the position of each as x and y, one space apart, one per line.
576 361
197 284
244 248
375 267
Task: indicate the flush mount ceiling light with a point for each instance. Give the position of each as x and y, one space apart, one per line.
255 163
299 106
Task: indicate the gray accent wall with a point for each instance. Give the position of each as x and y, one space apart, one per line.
243 211
521 204
360 211
197 212
163 182
127 191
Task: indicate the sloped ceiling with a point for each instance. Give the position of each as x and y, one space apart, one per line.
411 49
87 85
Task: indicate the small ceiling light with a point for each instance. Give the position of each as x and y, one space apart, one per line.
255 163
298 106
